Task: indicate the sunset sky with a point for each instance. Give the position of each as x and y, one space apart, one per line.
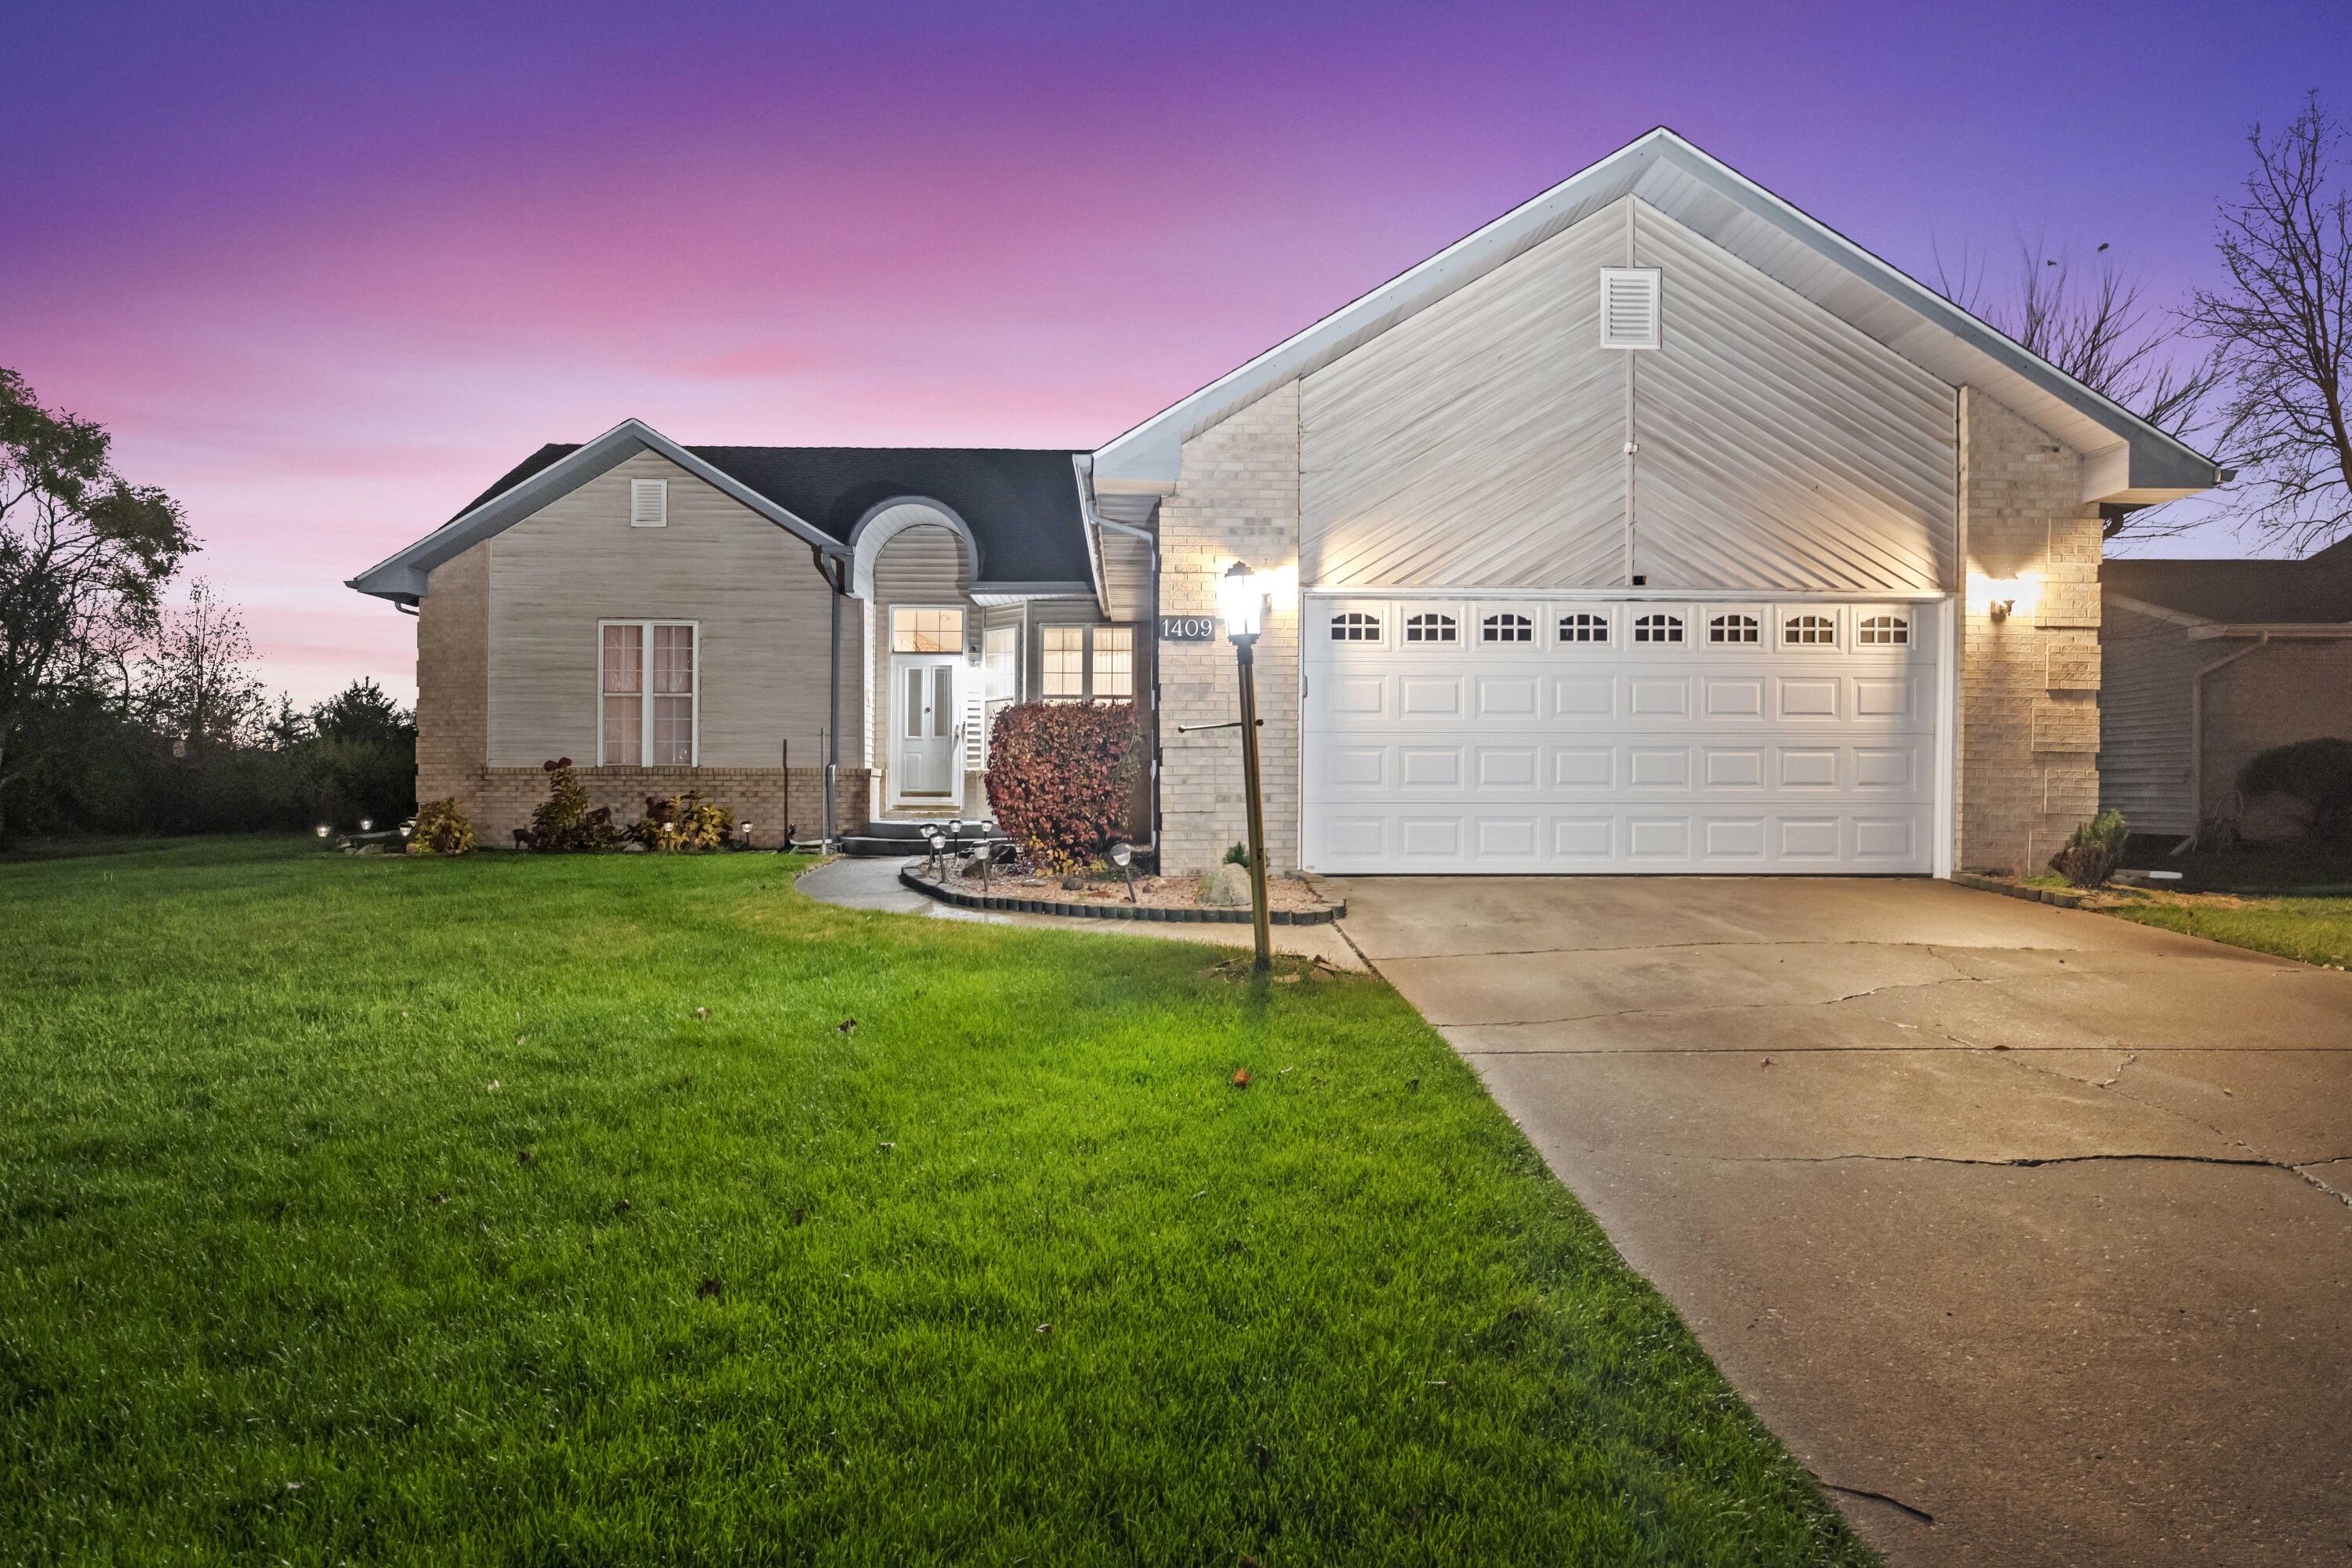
326 270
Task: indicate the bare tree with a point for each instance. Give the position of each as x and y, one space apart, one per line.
2097 330
2283 333
196 683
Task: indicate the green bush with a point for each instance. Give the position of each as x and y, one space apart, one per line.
2317 773
2094 851
684 822
1238 854
442 828
563 824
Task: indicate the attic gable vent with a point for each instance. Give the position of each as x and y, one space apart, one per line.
1629 306
648 503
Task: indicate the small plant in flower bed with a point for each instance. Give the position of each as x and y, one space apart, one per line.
442 828
1060 779
562 823
2094 851
684 822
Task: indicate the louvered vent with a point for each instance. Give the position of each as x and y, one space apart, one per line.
648 503
1629 306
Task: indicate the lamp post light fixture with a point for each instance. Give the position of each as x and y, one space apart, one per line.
746 828
1240 599
1122 855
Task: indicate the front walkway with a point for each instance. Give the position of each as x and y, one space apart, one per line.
873 884
2025 1229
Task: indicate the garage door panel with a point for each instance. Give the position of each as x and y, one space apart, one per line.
1548 755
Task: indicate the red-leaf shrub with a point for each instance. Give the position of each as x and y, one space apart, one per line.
1060 775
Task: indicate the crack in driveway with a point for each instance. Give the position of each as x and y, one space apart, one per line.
1729 1006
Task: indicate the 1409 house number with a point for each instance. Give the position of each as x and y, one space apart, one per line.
1187 629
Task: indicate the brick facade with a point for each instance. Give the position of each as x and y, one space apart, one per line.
1236 499
2029 716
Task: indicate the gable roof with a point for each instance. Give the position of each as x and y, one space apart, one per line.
1021 505
2315 591
2134 462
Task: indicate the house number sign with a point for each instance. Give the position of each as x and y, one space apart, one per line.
1187 629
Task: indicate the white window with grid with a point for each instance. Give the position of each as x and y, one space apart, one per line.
1809 628
1062 667
1732 629
1432 627
918 629
1355 626
1658 626
1884 630
1114 670
649 691
1507 627
1584 627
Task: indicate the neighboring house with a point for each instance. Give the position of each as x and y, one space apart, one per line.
1652 527
2209 662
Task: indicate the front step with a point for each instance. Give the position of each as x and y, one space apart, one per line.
903 837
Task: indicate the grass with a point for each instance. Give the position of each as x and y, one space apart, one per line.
2295 901
375 1210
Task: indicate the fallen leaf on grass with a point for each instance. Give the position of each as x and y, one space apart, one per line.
1045 1328
1241 1077
440 1197
847 1026
522 1156
799 1214
708 1289
494 1086
622 1207
885 1147
702 1012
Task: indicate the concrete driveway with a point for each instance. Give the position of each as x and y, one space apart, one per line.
2026 1229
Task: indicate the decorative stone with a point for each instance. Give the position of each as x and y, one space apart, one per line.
1224 887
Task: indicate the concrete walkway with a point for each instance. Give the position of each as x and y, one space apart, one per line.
2025 1229
873 884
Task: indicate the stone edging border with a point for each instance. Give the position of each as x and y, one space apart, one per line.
2058 896
961 900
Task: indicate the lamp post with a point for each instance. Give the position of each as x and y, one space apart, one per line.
1241 598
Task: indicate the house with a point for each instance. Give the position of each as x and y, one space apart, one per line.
2209 662
1652 527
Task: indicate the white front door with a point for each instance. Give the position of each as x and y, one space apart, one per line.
923 727
1501 735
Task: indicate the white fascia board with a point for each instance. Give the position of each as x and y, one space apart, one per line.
402 576
1148 457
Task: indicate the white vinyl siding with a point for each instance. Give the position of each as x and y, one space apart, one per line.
1481 444
647 681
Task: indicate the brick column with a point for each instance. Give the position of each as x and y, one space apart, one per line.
2029 682
1236 499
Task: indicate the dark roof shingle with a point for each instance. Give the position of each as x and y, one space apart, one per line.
2316 590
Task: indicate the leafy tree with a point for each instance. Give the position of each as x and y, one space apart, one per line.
2282 331
361 711
196 682
84 557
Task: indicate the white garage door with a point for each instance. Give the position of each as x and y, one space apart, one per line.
1549 736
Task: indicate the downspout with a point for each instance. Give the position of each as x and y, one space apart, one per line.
2197 739
831 567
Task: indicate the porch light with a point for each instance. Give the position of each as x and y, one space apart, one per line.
1241 600
1998 598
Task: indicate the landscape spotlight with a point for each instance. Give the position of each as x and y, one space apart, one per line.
324 830
367 825
1122 854
406 828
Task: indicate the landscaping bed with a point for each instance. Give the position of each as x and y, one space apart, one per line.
1290 900
2296 903
639 1209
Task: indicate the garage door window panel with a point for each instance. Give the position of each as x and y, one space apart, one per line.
1583 631
1883 629
1430 628
1658 629
1813 629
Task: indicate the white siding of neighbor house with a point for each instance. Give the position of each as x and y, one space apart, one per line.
1481 443
2147 665
762 607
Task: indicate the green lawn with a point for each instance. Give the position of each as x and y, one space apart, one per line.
375 1210
2294 901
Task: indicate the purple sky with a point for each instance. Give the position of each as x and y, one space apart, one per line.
326 270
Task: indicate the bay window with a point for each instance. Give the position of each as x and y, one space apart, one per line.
648 689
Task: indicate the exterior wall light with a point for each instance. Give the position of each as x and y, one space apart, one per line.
1998 599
